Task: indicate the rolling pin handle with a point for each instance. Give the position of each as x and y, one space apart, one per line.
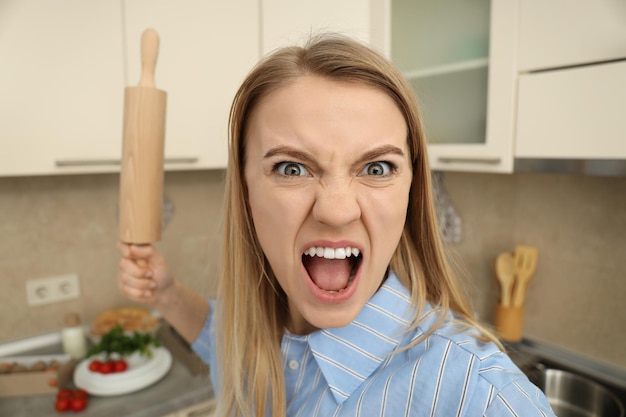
149 54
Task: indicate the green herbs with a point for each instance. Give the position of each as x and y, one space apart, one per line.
116 341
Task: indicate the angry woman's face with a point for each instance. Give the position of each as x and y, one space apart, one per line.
328 172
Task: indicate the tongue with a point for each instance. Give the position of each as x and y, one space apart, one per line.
329 274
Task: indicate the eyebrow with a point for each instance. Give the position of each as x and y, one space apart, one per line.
288 151
379 152
368 156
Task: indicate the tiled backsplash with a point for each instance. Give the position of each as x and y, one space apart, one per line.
67 224
578 223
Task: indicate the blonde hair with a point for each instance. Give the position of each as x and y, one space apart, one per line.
252 306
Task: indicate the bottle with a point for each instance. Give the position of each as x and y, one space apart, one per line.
73 337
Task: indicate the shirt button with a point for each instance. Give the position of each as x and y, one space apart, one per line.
293 364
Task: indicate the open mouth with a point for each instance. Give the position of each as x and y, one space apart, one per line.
332 269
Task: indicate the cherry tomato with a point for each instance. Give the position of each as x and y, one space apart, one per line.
62 404
64 393
95 365
80 393
120 365
106 367
78 404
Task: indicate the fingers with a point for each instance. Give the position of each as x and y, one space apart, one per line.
133 268
142 255
135 277
137 286
143 295
136 252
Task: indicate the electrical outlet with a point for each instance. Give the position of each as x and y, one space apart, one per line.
52 289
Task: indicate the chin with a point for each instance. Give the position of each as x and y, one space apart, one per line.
333 320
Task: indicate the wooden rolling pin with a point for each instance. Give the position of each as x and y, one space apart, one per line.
141 178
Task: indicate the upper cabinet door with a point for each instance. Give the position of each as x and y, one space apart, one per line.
573 113
61 86
559 33
460 58
206 50
572 78
288 22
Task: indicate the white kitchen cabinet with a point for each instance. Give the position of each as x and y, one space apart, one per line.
206 49
547 86
559 33
64 66
460 58
286 22
571 86
573 113
61 86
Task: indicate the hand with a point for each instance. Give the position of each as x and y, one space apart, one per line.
144 275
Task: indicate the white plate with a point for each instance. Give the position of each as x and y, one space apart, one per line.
141 373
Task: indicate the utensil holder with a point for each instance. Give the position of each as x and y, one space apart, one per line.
509 322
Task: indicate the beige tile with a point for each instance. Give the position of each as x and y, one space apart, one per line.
68 224
578 224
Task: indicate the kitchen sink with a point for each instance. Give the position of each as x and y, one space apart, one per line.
573 388
573 395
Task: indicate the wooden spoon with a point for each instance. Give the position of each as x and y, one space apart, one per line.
505 272
525 265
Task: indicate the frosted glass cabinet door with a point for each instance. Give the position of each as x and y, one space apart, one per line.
459 58
61 86
206 49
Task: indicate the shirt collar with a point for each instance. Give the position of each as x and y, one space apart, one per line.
347 356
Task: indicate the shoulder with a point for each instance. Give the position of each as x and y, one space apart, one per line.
488 379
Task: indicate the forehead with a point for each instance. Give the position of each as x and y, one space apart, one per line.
314 112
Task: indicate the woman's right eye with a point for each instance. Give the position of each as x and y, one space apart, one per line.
291 169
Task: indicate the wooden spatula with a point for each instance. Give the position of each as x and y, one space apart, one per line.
525 265
505 273
141 179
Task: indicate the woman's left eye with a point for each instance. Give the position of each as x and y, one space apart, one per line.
291 169
379 168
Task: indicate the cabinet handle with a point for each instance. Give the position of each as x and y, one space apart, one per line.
62 163
181 160
468 159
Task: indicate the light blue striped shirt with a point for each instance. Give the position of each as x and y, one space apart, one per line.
361 369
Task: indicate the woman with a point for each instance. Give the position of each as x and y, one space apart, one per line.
335 297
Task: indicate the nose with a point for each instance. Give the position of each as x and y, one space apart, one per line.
336 204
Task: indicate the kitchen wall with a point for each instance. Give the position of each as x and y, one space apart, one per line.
67 224
578 224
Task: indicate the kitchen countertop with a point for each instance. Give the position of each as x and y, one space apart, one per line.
178 390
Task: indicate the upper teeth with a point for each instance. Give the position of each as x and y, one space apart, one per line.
331 253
